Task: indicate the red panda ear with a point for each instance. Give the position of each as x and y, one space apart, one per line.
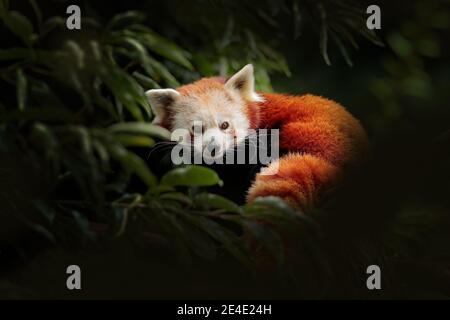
243 81
160 100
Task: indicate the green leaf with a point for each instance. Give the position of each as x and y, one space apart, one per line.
298 19
44 94
323 33
219 233
152 66
45 141
18 24
215 201
140 52
102 154
47 212
122 208
141 128
145 81
44 232
77 52
123 19
342 48
4 7
266 237
174 230
191 176
43 137
163 72
133 163
15 54
162 189
21 89
50 24
42 114
200 243
275 208
131 140
103 102
178 197
81 222
37 11
164 47
126 89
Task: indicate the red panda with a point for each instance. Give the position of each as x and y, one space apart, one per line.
321 138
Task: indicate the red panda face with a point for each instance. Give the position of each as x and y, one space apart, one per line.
213 121
209 114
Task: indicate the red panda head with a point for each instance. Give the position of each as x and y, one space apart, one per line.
216 108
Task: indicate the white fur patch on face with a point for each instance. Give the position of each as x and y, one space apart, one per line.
212 109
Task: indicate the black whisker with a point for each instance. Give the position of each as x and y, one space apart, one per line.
159 147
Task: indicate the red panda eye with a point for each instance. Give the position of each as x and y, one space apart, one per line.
224 125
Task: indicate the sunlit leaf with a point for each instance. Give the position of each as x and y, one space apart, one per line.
191 176
130 140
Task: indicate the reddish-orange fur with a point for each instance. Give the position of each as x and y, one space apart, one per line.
323 139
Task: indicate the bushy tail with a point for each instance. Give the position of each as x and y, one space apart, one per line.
299 180
323 141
